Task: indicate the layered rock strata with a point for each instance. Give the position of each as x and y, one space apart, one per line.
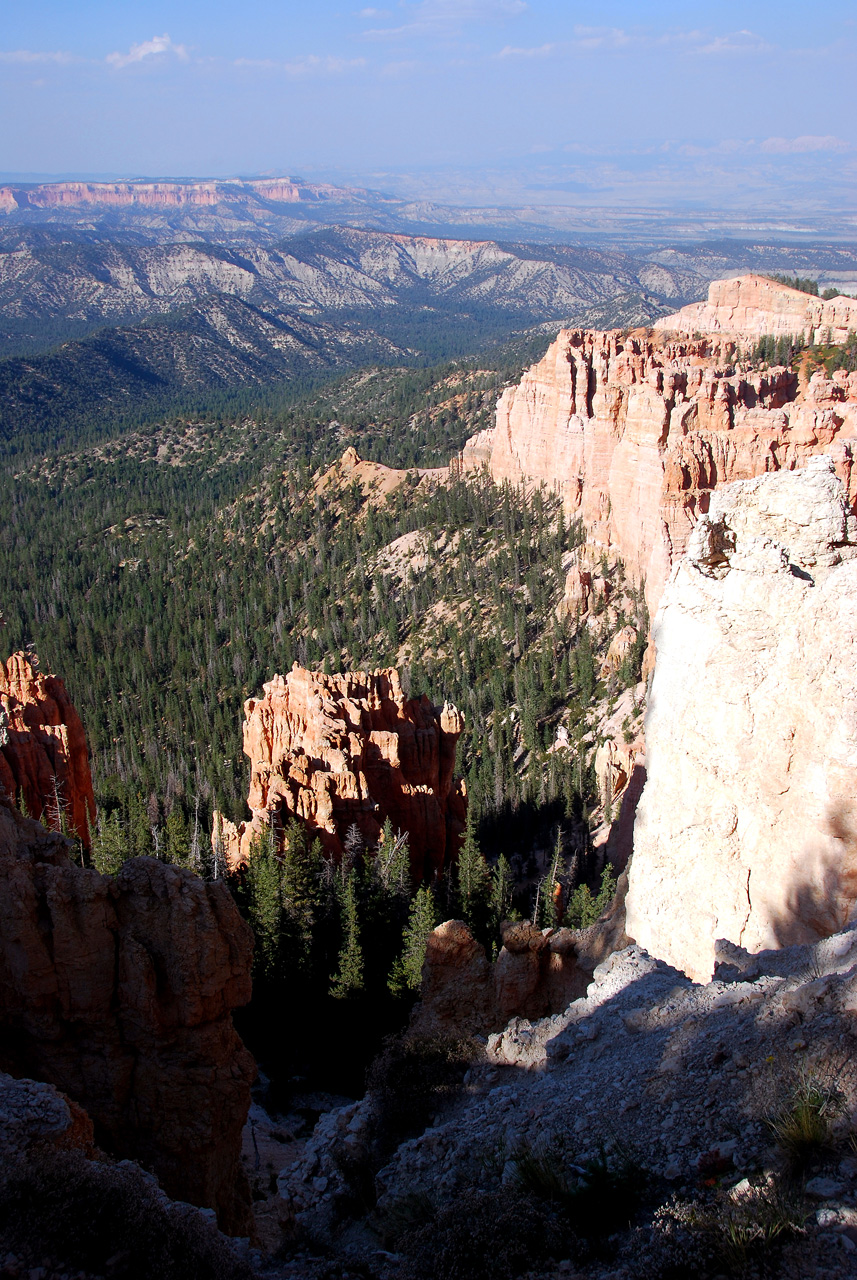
749 306
350 750
636 431
747 826
119 992
44 758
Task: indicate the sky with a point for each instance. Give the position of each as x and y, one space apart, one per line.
538 101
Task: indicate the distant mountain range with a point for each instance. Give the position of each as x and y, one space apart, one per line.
121 299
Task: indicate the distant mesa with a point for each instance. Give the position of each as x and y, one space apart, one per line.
337 751
167 195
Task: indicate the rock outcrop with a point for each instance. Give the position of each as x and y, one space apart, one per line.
749 306
44 758
636 431
536 973
343 750
119 992
747 826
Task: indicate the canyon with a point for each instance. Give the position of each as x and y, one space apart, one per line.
338 751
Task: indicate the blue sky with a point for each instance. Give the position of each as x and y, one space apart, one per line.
520 99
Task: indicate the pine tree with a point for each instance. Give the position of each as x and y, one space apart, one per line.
264 891
408 970
550 889
501 891
472 878
177 839
348 980
109 845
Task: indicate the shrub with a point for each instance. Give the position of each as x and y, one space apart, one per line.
483 1235
802 1126
596 1198
412 1079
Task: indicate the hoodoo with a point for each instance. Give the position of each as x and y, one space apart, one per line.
44 759
343 750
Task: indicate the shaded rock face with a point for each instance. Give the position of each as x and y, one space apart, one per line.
119 992
44 757
535 974
751 305
747 826
636 432
343 750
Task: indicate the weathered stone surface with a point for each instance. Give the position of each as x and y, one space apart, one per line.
33 1113
535 974
747 826
749 306
43 752
119 992
343 750
635 432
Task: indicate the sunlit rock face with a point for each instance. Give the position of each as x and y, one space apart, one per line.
338 751
636 431
750 306
747 826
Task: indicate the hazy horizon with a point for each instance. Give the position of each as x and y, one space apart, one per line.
468 101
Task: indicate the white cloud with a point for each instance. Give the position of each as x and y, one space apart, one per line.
147 49
542 51
29 56
799 146
375 13
311 64
446 17
735 42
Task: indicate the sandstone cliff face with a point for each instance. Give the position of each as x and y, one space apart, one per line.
634 433
750 306
43 751
350 749
747 826
119 992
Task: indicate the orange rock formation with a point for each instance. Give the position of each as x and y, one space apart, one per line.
43 751
119 992
750 306
350 749
634 432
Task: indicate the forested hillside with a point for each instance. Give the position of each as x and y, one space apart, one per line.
168 573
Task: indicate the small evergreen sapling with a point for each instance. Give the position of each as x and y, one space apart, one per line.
407 971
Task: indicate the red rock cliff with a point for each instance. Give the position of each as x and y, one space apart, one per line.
351 749
634 432
43 751
119 992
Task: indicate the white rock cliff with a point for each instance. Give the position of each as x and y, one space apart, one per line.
747 826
